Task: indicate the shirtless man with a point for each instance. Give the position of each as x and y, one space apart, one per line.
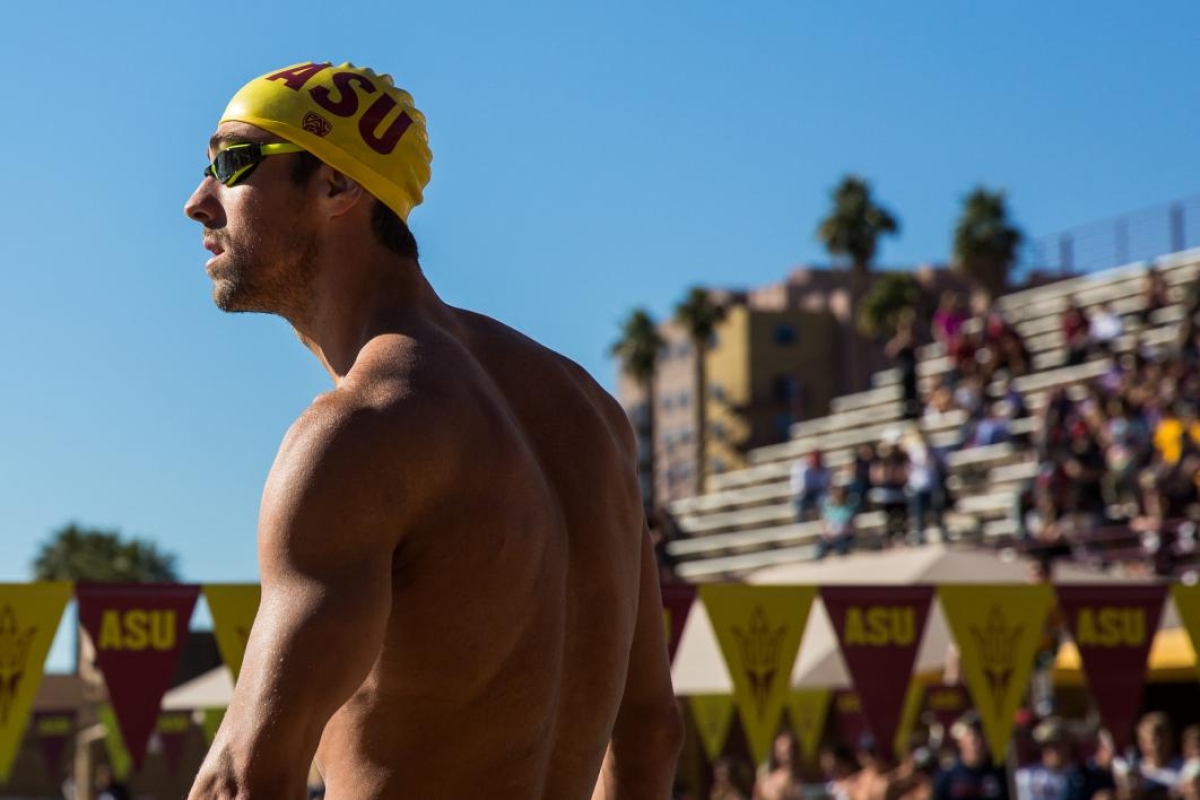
459 595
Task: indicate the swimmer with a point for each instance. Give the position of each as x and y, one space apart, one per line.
459 596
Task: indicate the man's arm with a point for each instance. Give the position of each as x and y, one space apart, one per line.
325 548
648 735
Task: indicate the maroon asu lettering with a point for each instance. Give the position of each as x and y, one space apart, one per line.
346 103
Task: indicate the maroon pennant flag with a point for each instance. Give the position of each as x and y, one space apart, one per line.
847 711
173 730
53 730
677 601
879 629
1113 627
947 703
138 631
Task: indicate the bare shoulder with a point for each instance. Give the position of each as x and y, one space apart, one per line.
551 374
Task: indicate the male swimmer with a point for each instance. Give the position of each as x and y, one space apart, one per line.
459 597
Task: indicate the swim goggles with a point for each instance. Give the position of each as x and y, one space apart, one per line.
235 162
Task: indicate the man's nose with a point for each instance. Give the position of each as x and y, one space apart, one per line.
203 206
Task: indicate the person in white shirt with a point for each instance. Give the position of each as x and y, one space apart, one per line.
1106 326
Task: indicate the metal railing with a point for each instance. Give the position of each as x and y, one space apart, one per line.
1137 236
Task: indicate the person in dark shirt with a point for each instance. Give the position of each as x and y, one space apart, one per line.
973 776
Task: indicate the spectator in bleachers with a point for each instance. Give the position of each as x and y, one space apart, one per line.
949 318
1076 334
859 485
837 522
939 402
1125 441
1083 465
902 348
1190 745
889 477
1155 294
923 486
973 776
1055 776
1155 762
970 396
810 480
913 779
1105 327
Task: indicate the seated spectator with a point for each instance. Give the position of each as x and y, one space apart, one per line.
837 523
1155 294
1190 745
949 317
809 482
1055 776
889 476
1157 768
1169 435
939 403
994 428
1106 326
860 477
973 776
970 396
1075 331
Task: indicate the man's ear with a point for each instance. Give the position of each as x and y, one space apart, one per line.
339 192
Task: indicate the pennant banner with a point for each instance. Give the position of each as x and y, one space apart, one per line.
808 709
903 741
173 729
848 717
1113 627
53 730
997 629
712 714
29 617
118 754
879 629
677 601
233 607
1187 603
759 630
946 703
138 631
212 721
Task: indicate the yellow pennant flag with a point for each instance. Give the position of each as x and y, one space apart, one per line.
759 630
997 629
29 617
233 607
118 754
712 714
808 709
913 701
1187 602
212 721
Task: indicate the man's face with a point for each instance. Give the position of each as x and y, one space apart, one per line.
263 242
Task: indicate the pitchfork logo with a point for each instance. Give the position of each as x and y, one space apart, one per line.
759 648
997 643
316 124
14 651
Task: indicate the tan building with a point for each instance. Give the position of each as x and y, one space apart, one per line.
782 354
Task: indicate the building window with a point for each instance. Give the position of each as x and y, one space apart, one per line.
684 437
717 392
784 334
683 399
683 349
718 430
716 466
713 340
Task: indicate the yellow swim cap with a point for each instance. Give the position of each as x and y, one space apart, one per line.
352 119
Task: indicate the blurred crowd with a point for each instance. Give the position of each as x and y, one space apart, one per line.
1048 760
1121 449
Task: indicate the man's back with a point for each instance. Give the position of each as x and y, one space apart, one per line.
515 588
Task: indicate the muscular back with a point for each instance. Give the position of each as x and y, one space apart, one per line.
514 578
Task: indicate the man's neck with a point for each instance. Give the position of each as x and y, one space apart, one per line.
358 299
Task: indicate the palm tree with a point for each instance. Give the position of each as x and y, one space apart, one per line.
700 316
889 296
853 228
985 241
79 554
638 348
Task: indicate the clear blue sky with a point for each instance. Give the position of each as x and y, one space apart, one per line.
588 158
